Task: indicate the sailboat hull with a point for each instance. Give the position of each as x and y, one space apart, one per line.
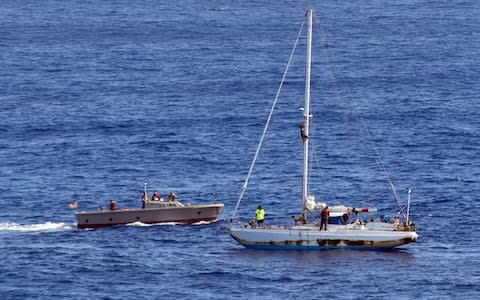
311 238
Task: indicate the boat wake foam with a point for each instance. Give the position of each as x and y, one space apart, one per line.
205 222
140 224
45 227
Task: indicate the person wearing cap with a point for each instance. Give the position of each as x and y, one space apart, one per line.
260 215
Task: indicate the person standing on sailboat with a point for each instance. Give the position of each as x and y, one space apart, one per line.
325 214
260 215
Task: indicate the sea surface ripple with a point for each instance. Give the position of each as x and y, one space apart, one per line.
98 97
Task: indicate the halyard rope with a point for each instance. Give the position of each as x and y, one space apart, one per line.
250 171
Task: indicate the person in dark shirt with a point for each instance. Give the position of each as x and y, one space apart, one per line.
156 196
325 214
144 199
113 205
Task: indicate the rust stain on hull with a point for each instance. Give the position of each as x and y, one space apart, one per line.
316 244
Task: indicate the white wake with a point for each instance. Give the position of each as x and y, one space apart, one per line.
44 227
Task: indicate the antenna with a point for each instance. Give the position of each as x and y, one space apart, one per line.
408 203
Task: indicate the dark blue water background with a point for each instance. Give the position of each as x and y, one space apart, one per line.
97 97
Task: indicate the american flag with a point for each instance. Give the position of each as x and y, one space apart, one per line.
73 204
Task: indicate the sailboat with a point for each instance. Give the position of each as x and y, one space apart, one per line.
375 235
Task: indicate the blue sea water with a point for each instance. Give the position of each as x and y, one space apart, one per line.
97 97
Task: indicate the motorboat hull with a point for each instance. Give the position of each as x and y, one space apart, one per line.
311 238
186 215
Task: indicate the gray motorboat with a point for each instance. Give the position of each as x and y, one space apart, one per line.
159 211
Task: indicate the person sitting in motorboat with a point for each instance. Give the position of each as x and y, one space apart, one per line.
113 205
172 196
156 196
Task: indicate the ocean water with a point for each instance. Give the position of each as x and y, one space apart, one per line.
98 97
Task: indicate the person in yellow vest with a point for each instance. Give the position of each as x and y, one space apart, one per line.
260 215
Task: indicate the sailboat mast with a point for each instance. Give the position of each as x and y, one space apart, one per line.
306 117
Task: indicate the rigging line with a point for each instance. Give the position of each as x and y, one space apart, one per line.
382 166
353 144
257 151
346 124
378 159
324 181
